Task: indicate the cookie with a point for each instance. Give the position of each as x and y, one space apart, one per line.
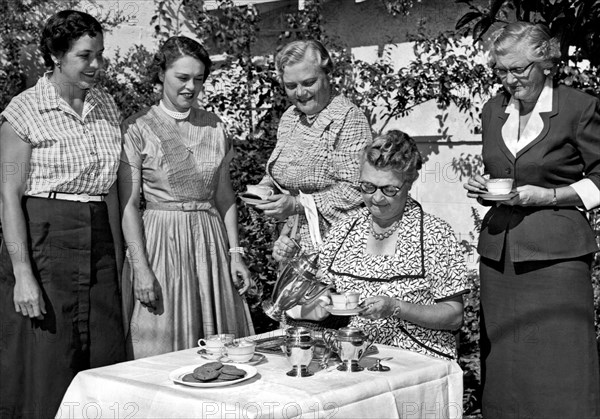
213 365
227 377
231 370
205 374
189 378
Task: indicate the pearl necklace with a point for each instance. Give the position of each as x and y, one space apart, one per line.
387 233
174 114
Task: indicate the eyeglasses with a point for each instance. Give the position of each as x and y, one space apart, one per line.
518 72
387 190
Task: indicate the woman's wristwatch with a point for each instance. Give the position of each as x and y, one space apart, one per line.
397 310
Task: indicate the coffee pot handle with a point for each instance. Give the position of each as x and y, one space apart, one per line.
315 291
371 338
330 340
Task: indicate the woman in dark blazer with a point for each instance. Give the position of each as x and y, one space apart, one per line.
538 346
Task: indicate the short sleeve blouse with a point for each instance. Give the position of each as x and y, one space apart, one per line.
69 153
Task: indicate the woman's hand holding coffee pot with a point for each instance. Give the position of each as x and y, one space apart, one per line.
284 248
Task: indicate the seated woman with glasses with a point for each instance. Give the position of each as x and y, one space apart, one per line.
406 264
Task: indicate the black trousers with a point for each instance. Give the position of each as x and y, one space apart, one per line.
72 253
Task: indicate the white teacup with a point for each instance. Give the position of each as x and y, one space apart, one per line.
241 351
262 191
499 186
345 301
214 345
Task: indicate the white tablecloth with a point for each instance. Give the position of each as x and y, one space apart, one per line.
417 386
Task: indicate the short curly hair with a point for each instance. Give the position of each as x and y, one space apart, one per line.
173 49
395 150
62 29
295 51
533 40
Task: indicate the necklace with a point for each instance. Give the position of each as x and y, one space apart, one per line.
387 233
174 114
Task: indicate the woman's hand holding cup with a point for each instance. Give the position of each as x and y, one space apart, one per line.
475 186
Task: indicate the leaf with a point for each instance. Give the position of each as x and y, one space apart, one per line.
467 17
481 27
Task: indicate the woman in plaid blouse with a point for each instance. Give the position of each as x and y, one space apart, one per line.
315 160
60 143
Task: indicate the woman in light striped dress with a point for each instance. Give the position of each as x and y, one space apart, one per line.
184 265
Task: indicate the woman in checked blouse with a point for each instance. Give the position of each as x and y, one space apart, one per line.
59 297
318 143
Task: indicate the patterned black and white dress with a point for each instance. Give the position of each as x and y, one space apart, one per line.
426 268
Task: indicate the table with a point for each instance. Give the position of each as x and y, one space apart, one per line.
417 386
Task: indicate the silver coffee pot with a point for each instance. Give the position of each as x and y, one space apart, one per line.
297 285
350 343
298 348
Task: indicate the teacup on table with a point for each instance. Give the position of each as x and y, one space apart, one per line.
240 351
345 301
499 186
214 345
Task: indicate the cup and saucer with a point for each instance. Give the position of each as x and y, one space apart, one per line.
257 194
241 351
345 304
499 189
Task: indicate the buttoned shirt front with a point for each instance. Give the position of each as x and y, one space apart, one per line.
69 153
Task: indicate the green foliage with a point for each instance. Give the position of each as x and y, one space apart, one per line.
469 359
398 7
574 22
126 79
20 24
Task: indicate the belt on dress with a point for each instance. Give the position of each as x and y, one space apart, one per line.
180 206
78 197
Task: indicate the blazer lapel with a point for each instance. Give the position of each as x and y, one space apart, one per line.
500 120
546 118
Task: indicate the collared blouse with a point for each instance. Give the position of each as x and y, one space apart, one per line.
69 153
427 267
319 155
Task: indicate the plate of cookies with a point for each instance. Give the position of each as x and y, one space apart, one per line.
212 374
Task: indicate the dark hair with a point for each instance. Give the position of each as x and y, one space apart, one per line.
62 29
295 51
394 150
174 48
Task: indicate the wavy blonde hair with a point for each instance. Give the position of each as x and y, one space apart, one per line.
295 51
533 40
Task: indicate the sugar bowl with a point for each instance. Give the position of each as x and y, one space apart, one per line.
350 343
298 348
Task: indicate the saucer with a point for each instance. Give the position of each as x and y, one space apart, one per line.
253 201
256 359
498 197
344 312
204 354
